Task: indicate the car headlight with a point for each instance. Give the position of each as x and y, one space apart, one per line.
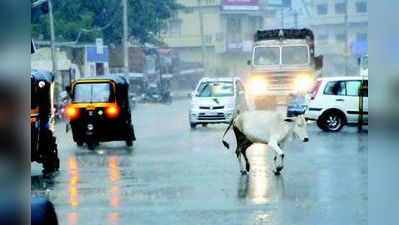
257 85
303 83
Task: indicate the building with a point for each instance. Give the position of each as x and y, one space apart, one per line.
329 24
229 26
73 61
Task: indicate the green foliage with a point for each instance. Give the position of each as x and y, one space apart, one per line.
87 20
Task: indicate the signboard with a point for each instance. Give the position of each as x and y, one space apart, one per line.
92 54
279 3
100 46
240 4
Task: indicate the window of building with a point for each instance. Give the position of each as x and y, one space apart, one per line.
210 2
322 37
322 9
340 37
175 28
340 8
233 34
361 7
361 36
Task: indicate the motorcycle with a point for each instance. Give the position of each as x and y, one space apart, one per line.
155 94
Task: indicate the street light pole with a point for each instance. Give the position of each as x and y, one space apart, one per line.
52 35
346 37
125 39
203 53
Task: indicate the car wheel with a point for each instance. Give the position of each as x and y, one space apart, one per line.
331 121
79 143
204 124
91 145
193 125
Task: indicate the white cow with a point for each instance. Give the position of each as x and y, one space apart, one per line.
267 127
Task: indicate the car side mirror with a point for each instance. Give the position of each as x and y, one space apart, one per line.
249 62
319 62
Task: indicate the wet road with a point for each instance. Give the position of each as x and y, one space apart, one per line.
174 175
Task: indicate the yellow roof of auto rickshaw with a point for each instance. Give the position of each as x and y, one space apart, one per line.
118 79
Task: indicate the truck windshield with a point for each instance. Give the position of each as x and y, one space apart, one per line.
215 89
295 55
267 55
92 92
291 55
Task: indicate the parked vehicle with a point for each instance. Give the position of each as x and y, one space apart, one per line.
100 111
42 119
335 102
216 100
158 92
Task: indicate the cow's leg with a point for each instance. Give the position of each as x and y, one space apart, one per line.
247 166
242 145
238 153
278 158
247 143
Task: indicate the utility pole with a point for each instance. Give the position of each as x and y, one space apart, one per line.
201 19
125 39
282 17
52 35
296 19
346 37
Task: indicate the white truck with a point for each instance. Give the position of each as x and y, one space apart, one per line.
283 63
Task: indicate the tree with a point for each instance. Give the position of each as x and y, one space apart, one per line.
86 20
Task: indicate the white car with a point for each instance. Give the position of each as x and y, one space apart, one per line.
335 102
216 100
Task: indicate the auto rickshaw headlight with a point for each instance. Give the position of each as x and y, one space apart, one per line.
112 111
72 112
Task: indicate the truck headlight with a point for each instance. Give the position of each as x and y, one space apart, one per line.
257 85
303 83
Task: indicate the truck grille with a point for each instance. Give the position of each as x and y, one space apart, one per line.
281 82
219 116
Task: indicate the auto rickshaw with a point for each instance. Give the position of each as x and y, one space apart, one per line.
43 142
100 111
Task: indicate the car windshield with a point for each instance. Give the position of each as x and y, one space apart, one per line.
215 89
267 55
295 55
92 92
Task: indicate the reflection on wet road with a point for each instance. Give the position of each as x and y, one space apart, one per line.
174 175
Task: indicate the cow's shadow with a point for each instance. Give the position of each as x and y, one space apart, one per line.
260 189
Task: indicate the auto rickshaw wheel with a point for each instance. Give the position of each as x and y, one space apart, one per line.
129 142
51 162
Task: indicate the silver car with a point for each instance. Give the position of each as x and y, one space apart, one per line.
216 100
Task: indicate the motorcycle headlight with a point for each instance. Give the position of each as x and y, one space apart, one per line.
303 83
257 85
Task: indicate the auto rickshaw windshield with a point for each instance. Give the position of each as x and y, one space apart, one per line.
92 92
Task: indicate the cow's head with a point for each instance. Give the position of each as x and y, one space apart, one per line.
299 127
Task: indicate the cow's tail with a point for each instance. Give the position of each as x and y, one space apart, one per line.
228 128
